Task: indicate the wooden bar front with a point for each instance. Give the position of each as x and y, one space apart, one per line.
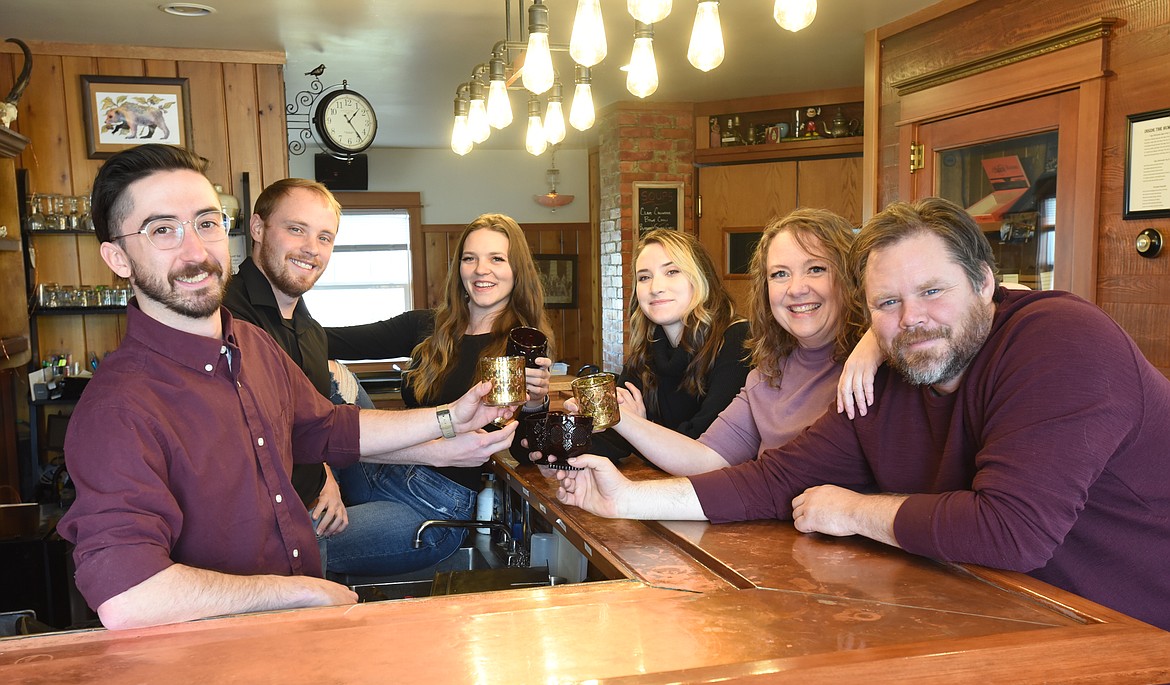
688 602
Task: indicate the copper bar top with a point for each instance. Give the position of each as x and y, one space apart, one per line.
689 602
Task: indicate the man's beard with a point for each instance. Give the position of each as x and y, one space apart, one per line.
195 305
931 367
276 269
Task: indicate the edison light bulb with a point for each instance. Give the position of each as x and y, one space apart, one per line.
460 136
499 107
538 67
587 44
535 142
642 78
706 49
649 11
582 114
554 122
794 14
477 121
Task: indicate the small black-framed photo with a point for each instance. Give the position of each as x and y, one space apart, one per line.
558 276
1147 165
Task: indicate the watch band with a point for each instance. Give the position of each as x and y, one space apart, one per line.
446 424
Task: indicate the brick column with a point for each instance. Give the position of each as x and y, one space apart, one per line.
637 142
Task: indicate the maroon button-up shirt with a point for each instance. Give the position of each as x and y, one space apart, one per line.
180 449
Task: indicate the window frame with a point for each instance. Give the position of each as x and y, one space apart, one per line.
389 201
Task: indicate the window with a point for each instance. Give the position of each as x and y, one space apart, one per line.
369 277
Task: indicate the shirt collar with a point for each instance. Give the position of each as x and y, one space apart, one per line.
187 349
259 290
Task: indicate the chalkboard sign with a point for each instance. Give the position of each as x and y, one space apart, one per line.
658 205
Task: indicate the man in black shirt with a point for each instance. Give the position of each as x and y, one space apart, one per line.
293 231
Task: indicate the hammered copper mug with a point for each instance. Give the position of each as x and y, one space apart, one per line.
597 397
507 377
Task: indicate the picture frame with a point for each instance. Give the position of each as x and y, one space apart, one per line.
558 276
120 112
1147 165
658 205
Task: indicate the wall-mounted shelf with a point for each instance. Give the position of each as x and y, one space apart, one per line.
805 147
68 231
74 311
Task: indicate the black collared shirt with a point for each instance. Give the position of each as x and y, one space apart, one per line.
250 298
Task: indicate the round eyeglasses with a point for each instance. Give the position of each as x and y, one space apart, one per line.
167 233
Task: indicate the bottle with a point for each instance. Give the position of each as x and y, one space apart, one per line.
485 503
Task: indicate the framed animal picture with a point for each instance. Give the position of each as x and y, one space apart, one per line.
121 112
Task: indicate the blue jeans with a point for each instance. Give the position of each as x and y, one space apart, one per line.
387 503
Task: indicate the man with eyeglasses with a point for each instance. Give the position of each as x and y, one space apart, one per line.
181 446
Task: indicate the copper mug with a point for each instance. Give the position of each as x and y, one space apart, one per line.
597 397
507 377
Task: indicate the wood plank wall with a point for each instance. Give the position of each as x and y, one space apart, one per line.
1134 290
237 122
574 329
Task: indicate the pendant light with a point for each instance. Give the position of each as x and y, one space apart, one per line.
477 116
648 11
582 114
535 142
587 44
460 136
794 14
554 116
706 48
642 78
538 69
499 107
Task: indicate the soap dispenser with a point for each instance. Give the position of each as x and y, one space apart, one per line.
485 503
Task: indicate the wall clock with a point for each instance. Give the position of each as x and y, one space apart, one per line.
344 121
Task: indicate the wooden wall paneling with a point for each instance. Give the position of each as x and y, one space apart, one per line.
160 68
833 184
82 168
47 154
209 118
273 131
103 333
437 261
243 124
59 335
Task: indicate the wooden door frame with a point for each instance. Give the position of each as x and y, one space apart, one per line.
1071 61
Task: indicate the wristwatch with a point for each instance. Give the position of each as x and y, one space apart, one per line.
446 424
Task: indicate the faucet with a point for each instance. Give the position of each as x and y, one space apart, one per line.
515 556
456 523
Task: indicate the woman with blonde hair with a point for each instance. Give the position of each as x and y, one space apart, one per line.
687 358
491 287
805 321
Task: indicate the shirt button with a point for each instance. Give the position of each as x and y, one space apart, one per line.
208 368
279 499
296 553
223 349
260 441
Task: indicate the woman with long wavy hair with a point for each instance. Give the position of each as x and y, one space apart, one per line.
492 286
805 321
687 358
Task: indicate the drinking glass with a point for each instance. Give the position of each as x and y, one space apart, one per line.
560 435
507 377
529 343
597 397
